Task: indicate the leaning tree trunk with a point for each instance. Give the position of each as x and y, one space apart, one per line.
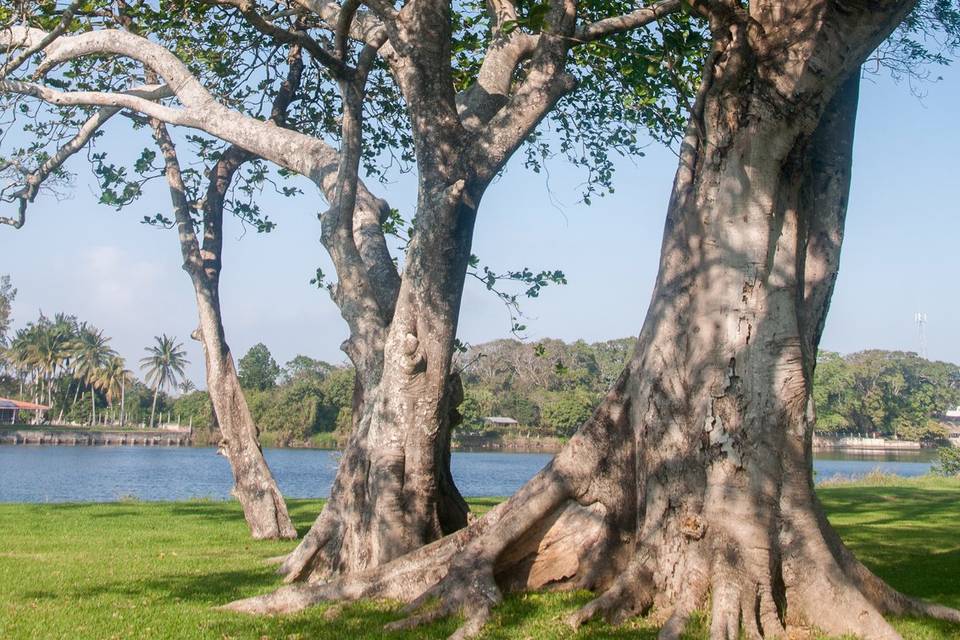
254 487
692 483
253 484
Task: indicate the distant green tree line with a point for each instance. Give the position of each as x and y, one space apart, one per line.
889 393
549 387
305 402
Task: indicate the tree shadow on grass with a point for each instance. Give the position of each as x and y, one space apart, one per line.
210 588
519 616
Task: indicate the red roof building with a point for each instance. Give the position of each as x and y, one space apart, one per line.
10 409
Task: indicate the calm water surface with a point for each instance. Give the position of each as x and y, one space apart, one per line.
98 474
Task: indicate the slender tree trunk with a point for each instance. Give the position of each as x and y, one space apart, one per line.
263 505
254 486
66 397
123 400
153 407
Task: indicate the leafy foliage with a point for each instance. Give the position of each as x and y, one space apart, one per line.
549 387
892 393
948 462
313 398
257 369
164 363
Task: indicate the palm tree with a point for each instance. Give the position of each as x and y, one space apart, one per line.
91 354
187 386
20 357
112 379
41 351
164 366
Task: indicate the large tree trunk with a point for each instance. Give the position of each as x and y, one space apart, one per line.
692 483
394 491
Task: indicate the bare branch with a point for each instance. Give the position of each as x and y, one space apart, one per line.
21 218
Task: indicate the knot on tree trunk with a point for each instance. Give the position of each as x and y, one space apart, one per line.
692 526
414 361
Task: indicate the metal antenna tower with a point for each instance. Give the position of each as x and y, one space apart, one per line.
921 320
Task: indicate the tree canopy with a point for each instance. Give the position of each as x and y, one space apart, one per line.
892 393
257 369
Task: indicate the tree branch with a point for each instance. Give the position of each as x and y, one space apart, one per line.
32 44
364 27
546 82
627 22
491 91
248 9
35 179
297 152
189 247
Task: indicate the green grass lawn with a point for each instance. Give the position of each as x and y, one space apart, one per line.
156 570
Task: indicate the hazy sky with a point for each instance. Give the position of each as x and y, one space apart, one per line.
901 254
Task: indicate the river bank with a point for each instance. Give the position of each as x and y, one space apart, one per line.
79 436
63 436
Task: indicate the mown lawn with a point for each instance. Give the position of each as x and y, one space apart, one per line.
156 570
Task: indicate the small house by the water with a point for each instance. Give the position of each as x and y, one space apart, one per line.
10 409
500 421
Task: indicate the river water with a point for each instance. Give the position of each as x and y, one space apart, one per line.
102 474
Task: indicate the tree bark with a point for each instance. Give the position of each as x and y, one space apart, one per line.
254 487
394 491
692 483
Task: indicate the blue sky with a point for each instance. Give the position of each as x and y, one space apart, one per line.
900 255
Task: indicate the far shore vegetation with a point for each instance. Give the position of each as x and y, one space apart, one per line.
546 388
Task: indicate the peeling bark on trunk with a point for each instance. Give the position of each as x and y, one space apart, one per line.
692 483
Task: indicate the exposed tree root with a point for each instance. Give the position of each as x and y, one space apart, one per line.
793 575
630 595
